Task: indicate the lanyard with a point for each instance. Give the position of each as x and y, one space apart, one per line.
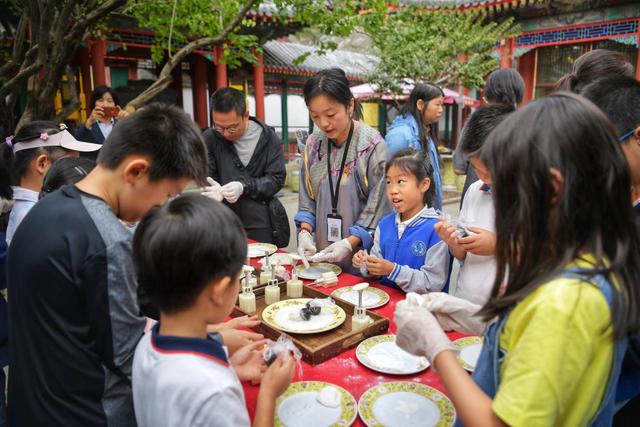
334 195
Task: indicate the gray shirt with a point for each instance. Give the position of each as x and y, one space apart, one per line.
246 144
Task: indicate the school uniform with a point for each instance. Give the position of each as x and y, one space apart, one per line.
181 381
24 199
421 259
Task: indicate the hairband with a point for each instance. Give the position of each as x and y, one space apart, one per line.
9 141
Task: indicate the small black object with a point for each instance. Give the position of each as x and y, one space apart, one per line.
269 357
313 308
305 313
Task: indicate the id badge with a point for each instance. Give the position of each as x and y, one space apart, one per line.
334 228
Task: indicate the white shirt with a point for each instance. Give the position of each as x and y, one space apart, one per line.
477 273
24 199
105 129
402 225
185 382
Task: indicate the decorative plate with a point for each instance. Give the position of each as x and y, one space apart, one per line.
371 297
256 250
405 404
277 315
381 354
314 272
298 407
468 351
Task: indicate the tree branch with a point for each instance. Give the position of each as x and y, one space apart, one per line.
17 79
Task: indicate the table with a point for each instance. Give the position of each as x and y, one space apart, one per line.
345 370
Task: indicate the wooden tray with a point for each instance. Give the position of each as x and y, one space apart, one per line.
316 348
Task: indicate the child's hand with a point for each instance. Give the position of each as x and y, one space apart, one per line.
249 363
447 233
483 243
235 339
241 322
379 266
359 259
278 377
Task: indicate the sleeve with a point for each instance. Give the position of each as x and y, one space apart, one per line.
376 206
559 338
306 204
266 186
431 277
375 251
235 410
395 141
114 315
210 140
83 134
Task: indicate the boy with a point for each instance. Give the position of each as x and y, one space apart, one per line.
182 377
477 271
74 318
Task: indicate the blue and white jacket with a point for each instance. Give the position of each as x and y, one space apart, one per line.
422 260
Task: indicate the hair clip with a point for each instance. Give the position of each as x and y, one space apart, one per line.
9 141
44 136
63 126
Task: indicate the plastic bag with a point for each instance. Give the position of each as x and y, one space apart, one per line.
283 346
461 223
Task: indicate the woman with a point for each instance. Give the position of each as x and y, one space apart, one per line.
342 207
415 127
105 112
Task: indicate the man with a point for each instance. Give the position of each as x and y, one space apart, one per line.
245 157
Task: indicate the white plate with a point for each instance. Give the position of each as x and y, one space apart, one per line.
314 272
298 407
469 349
371 297
277 315
281 259
256 250
405 404
381 354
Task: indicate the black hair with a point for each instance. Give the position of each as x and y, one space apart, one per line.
619 99
18 163
228 99
480 124
540 231
97 94
334 84
167 135
504 86
64 171
425 92
194 228
417 163
593 65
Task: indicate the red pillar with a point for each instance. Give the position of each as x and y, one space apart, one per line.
85 72
176 83
221 69
199 87
133 71
98 52
258 86
638 59
526 68
506 53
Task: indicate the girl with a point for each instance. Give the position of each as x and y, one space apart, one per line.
29 155
567 251
416 127
65 171
344 206
104 104
594 65
407 253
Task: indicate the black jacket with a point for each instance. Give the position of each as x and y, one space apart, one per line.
263 177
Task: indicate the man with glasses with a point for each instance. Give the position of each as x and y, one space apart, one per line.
245 157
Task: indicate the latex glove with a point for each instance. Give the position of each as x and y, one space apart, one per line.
419 332
232 191
213 190
306 245
335 252
455 314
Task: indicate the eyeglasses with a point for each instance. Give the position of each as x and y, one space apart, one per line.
626 135
228 129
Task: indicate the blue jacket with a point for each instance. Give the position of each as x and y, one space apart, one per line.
422 260
90 135
404 133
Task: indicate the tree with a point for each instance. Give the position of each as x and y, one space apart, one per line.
46 35
443 47
228 23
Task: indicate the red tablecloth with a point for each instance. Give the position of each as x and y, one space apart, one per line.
345 370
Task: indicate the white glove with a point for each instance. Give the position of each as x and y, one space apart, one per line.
455 314
335 252
306 245
232 191
419 332
213 190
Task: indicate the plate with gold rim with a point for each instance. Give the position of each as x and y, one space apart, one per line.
468 351
299 407
381 354
279 316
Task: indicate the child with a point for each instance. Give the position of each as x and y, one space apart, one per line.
476 251
565 235
407 253
182 377
74 317
29 155
65 171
